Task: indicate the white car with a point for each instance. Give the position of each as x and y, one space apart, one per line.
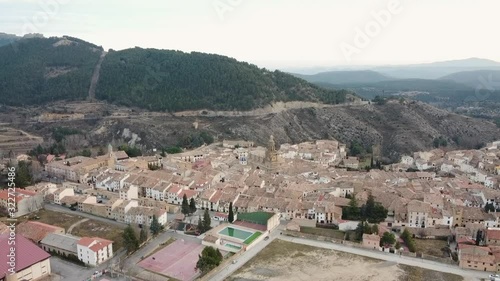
494 277
235 261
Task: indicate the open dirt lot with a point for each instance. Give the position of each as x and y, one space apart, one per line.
284 261
430 246
57 219
93 228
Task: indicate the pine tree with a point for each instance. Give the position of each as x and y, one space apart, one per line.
130 239
206 221
192 206
185 205
143 236
155 227
231 214
200 226
100 152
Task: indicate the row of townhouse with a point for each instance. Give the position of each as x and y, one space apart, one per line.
485 257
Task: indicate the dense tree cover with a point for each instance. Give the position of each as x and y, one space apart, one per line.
60 133
164 80
23 176
7 39
209 259
440 141
388 239
37 70
379 100
131 151
206 223
489 207
155 226
195 140
171 150
130 241
357 149
372 211
55 149
408 238
364 228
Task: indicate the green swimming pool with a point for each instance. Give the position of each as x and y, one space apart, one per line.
236 233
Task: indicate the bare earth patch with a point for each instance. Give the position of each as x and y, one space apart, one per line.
284 261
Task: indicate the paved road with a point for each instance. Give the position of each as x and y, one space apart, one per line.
60 209
66 270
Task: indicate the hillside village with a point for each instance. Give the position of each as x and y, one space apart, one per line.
451 195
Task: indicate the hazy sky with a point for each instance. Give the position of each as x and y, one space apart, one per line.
274 33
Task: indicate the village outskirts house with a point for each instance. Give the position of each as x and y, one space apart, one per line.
371 241
94 251
26 201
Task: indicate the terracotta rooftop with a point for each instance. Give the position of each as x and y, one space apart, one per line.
36 231
28 254
94 243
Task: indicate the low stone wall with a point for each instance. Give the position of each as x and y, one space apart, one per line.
358 245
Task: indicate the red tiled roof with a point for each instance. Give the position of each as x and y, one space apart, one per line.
94 243
20 193
27 254
36 231
189 194
216 197
493 234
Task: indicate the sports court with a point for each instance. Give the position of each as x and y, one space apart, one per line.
177 260
255 220
244 236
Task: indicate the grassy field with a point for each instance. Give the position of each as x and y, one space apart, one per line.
332 233
57 219
286 261
430 246
100 229
252 238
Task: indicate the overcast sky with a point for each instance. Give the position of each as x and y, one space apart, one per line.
274 33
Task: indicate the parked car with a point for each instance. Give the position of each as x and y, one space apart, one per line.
72 209
494 277
267 238
235 261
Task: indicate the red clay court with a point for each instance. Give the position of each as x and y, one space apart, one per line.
177 260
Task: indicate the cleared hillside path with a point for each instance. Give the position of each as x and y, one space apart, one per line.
95 76
70 229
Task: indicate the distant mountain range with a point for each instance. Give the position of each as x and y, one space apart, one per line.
345 77
456 81
433 70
